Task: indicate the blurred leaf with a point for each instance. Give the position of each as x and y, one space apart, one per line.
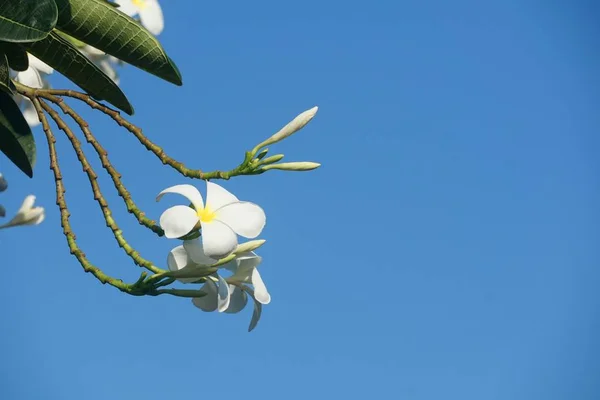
6 85
61 55
17 56
26 20
106 28
16 139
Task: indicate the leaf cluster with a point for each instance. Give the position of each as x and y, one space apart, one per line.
53 31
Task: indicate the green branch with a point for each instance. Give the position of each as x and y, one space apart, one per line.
93 178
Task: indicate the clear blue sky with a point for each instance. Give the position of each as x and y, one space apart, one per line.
447 249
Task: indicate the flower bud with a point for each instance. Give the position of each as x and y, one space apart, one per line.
262 153
293 166
272 159
292 127
249 246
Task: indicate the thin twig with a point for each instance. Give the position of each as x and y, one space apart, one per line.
93 178
114 174
64 211
242 169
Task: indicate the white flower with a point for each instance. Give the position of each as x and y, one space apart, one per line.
226 295
150 13
102 60
34 76
244 268
179 259
220 219
27 214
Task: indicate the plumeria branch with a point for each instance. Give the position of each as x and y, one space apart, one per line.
93 178
64 211
252 164
103 155
142 286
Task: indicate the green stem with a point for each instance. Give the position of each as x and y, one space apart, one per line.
64 211
103 155
243 169
93 178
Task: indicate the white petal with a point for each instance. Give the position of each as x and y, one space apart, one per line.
195 250
223 295
27 204
188 191
30 113
127 7
237 300
243 266
217 196
207 303
255 316
178 221
30 77
260 290
40 218
151 17
38 64
218 239
177 260
245 218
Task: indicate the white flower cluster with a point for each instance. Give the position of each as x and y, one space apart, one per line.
219 221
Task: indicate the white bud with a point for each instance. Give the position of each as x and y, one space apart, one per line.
292 127
249 246
293 166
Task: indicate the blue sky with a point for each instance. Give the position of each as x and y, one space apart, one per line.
448 247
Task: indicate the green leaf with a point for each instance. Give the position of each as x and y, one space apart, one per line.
16 139
6 85
17 56
26 20
106 28
61 55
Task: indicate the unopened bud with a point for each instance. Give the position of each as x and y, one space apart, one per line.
272 159
293 166
249 246
292 127
262 153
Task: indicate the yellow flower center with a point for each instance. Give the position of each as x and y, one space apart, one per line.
206 215
140 3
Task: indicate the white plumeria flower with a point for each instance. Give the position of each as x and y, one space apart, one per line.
224 295
244 268
34 77
150 13
27 214
102 60
220 219
179 259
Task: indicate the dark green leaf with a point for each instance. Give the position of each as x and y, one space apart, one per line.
26 20
66 59
17 56
106 28
16 139
6 84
